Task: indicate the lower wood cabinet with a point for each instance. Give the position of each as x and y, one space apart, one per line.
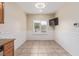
9 49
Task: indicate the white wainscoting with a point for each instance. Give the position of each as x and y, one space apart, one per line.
40 36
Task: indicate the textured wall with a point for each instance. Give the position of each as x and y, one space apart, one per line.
66 34
14 24
32 35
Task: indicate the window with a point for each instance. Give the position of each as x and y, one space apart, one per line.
36 26
40 26
43 26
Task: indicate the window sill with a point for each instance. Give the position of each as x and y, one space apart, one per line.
39 33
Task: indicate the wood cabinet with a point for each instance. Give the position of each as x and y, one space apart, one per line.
1 13
7 47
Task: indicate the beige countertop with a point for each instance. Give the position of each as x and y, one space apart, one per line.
4 41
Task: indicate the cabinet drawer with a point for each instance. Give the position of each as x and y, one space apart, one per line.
8 45
9 52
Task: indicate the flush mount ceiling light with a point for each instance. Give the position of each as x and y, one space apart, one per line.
40 5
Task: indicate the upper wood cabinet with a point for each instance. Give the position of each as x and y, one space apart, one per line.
1 13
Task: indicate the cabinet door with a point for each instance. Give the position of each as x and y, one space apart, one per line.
9 52
9 49
1 13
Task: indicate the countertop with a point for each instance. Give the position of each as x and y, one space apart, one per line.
4 41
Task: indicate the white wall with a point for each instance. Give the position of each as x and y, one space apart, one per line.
14 24
41 36
66 34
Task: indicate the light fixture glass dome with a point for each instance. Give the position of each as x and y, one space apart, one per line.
40 5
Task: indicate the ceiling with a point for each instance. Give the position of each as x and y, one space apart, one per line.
51 7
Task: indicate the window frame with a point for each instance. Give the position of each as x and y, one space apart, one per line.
40 32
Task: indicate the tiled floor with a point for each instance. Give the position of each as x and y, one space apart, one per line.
41 48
